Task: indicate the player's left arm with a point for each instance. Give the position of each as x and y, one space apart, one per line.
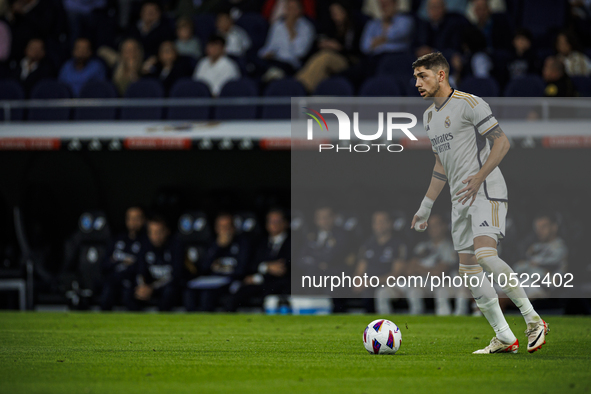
478 113
498 151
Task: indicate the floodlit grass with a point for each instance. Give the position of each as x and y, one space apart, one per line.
201 353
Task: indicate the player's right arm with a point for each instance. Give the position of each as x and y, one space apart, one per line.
438 181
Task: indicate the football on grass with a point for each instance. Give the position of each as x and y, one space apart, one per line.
382 337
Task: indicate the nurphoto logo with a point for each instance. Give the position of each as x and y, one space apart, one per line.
345 135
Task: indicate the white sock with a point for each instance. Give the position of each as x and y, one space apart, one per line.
488 302
489 259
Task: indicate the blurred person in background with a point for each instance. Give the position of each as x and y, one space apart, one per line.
226 261
338 46
473 60
275 10
237 40
455 6
440 31
82 68
568 52
547 254
216 69
150 30
30 19
558 83
186 42
169 67
436 256
120 265
271 268
126 65
288 42
496 28
5 41
81 21
523 58
382 255
159 269
34 66
390 34
325 248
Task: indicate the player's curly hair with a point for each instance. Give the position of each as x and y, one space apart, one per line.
434 61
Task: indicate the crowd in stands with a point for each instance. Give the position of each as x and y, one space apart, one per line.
304 41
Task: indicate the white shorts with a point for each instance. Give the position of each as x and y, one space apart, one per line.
484 217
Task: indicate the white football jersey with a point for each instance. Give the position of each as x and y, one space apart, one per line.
457 131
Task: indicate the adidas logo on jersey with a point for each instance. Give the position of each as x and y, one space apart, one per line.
484 224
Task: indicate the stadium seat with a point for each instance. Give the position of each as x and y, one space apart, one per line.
101 90
46 90
336 86
396 64
186 88
83 254
239 88
286 87
194 233
144 88
380 86
247 224
528 86
482 87
256 26
582 86
12 90
204 27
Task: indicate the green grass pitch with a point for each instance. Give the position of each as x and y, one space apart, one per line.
221 353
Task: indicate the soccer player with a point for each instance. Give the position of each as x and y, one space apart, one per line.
460 126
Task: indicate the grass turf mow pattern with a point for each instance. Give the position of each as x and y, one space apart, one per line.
221 353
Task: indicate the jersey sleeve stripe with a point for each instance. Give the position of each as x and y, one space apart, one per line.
469 97
483 121
468 101
491 128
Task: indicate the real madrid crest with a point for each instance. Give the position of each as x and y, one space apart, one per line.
429 116
447 122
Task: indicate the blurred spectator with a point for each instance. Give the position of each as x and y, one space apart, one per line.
474 60
150 30
127 64
81 20
547 254
271 269
435 256
29 19
495 27
120 264
159 269
170 67
455 6
381 255
226 261
5 41
34 66
495 7
581 19
440 31
558 84
338 48
325 248
237 40
523 56
275 10
372 8
390 34
289 40
81 68
568 51
186 43
216 68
